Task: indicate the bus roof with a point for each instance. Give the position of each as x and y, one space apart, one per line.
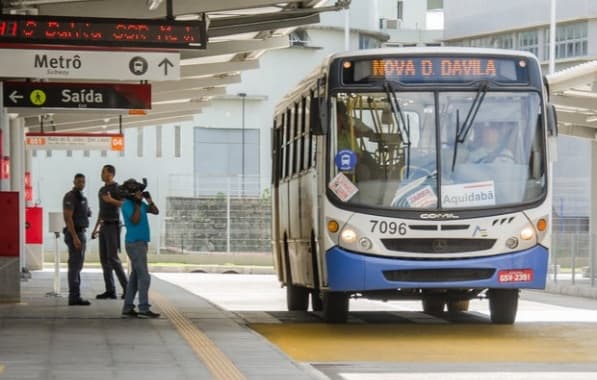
447 50
439 50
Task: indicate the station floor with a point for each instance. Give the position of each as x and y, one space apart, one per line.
43 338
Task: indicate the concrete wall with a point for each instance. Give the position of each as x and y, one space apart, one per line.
201 225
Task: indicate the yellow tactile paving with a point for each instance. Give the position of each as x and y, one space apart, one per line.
532 342
215 360
1 369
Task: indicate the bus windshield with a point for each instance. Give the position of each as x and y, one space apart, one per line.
443 150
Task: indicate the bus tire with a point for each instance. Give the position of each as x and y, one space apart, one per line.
503 305
316 301
455 306
335 307
433 305
297 297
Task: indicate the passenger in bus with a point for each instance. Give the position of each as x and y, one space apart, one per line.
493 144
366 164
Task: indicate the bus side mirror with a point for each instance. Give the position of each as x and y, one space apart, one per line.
318 119
552 120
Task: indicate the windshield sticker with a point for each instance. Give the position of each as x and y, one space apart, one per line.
474 194
346 160
343 187
423 198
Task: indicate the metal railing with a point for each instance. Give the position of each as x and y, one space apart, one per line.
573 258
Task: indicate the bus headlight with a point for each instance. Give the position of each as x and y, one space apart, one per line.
527 233
512 242
348 236
365 243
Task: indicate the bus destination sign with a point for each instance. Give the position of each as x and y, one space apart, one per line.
435 70
90 31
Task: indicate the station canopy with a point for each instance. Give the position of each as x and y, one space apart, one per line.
573 91
239 32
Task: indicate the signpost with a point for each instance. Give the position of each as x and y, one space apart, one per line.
77 95
90 65
93 31
75 141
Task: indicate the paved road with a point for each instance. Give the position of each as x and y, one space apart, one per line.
555 337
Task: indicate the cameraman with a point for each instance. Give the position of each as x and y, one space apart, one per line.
134 212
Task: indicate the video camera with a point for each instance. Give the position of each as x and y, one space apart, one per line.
129 187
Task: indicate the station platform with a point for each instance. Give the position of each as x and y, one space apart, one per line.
43 338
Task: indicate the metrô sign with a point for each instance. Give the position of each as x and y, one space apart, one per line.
77 95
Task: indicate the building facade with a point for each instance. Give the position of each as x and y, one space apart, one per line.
524 25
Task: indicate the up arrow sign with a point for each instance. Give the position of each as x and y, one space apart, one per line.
165 62
15 96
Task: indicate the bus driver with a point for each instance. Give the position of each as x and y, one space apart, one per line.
493 145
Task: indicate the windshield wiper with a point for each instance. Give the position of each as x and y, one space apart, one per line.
463 130
403 125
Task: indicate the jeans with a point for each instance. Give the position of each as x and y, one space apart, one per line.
139 279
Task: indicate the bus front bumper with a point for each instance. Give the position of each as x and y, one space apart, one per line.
352 272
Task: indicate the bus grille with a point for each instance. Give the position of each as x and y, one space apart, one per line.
426 245
439 275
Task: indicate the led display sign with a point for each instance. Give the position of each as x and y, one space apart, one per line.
87 31
435 70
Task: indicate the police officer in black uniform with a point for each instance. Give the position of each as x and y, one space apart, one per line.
76 216
108 225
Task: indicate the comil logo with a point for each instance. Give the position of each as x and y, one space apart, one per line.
439 216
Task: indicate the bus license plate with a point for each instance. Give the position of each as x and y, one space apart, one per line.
519 275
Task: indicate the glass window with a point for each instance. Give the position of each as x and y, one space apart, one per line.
497 159
386 146
529 41
571 40
368 42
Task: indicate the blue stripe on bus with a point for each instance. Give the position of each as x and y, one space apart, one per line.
348 271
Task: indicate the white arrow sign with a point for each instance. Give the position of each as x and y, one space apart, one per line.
14 96
85 64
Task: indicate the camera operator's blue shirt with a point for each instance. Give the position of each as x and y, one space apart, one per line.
139 231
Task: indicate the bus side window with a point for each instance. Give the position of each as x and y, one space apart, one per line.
308 136
302 137
286 144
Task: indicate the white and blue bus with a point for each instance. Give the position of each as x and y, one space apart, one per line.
415 173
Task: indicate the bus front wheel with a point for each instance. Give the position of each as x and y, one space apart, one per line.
455 306
297 297
433 305
503 305
335 307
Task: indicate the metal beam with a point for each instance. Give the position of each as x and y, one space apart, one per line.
188 94
206 69
576 119
139 123
236 46
577 131
114 122
118 8
256 23
187 84
62 119
572 101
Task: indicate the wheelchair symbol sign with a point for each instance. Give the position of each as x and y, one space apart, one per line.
346 160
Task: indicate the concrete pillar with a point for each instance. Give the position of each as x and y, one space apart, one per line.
10 272
17 175
5 130
593 215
